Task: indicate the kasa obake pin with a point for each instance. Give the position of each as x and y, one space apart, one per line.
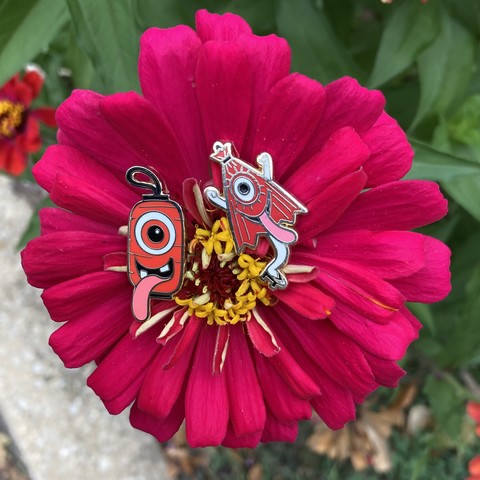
256 206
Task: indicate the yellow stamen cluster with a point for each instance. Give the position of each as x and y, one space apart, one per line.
218 240
238 304
11 116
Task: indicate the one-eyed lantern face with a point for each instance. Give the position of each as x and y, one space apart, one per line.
156 245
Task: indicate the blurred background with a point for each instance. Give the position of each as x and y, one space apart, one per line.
424 56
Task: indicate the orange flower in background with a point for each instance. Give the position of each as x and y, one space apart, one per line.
473 410
474 468
19 127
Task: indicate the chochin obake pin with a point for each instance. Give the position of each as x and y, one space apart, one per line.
256 206
156 244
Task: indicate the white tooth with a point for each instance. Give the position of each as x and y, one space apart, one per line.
143 273
165 268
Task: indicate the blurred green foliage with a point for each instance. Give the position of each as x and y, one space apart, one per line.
425 58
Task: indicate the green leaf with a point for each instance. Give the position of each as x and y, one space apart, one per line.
432 164
316 50
464 127
448 405
466 191
463 342
106 32
410 29
80 65
26 28
164 14
468 13
424 314
445 69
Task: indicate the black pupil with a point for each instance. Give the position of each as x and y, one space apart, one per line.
244 188
155 233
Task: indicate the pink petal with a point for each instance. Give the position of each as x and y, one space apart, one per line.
329 205
287 366
269 58
85 338
231 439
161 388
281 401
206 399
432 282
342 154
83 125
115 260
387 372
395 206
261 336
305 277
58 257
174 326
224 92
276 431
294 375
359 288
168 58
335 406
346 104
389 340
391 154
147 131
291 110
386 254
162 430
189 336
307 299
191 202
166 307
75 297
60 158
411 318
125 398
221 348
54 220
86 199
247 407
324 350
120 369
226 27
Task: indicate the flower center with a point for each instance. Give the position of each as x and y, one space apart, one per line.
220 285
11 118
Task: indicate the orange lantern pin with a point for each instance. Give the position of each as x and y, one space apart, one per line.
156 244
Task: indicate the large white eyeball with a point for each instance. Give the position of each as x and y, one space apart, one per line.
155 233
244 189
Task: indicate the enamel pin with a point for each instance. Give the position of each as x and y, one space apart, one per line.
156 244
256 206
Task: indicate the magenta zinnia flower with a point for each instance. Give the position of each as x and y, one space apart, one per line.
240 362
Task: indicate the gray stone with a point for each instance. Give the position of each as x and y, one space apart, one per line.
60 426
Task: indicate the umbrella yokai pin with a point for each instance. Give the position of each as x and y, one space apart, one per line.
156 244
256 206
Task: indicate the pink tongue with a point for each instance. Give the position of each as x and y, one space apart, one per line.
140 302
285 235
